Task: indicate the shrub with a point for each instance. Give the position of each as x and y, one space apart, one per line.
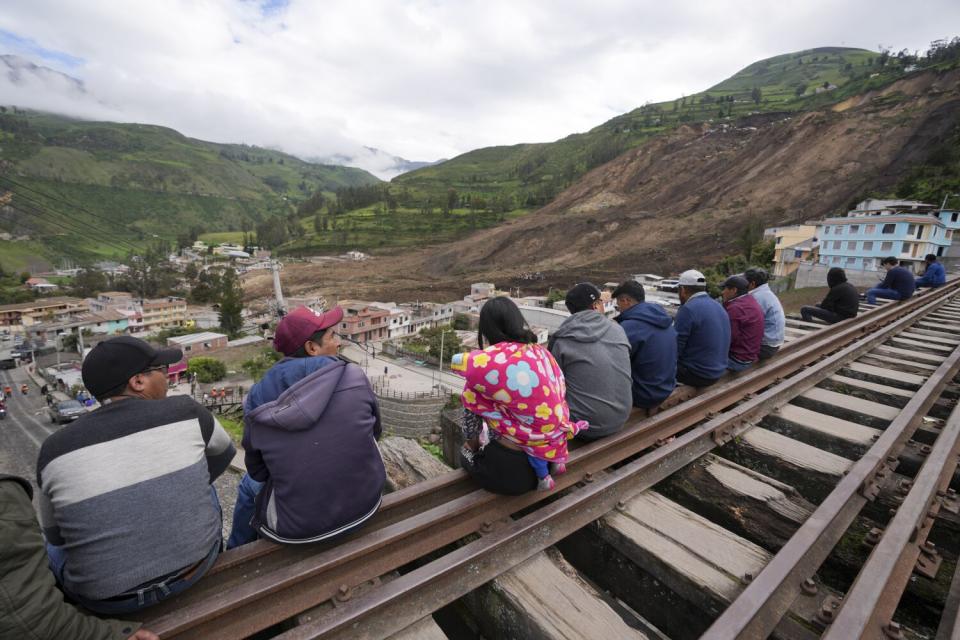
207 369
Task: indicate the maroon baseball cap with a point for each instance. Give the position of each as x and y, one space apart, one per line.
296 327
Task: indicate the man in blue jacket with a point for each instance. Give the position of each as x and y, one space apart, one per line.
310 431
897 285
934 276
703 333
653 345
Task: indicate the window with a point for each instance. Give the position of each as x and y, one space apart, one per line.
839 231
939 251
948 234
854 228
889 229
886 246
851 262
851 246
911 229
868 246
826 231
870 228
836 260
953 217
779 239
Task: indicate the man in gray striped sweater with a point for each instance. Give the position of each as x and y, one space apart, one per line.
126 498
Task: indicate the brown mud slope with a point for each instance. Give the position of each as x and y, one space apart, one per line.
680 200
677 202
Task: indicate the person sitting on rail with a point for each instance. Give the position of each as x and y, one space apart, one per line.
594 355
842 301
934 275
516 422
653 346
127 502
31 605
899 283
703 333
774 321
746 323
310 431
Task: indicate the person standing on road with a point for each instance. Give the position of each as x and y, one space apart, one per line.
774 320
841 302
594 355
703 333
899 283
310 431
31 606
127 502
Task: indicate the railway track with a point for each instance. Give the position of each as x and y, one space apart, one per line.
733 503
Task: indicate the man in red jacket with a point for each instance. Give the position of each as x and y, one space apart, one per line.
746 323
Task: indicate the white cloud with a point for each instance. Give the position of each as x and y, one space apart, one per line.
423 79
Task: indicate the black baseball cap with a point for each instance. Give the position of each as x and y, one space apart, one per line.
112 362
581 297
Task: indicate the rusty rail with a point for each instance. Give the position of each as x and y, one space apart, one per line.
252 589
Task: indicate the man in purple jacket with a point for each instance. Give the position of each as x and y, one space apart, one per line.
310 431
746 323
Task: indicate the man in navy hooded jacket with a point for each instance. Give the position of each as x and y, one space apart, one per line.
653 345
310 432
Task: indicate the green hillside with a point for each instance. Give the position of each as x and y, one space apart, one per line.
78 184
529 175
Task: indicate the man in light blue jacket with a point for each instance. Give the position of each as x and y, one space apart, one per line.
774 322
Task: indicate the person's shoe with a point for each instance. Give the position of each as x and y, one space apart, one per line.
546 483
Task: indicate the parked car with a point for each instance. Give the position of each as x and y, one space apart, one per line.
66 411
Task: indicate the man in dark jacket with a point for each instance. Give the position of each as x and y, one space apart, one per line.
934 275
31 606
310 431
653 345
898 285
746 323
842 300
703 333
594 355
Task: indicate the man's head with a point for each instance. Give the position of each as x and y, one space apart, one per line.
889 263
756 277
583 296
733 287
304 332
628 294
128 366
689 283
929 258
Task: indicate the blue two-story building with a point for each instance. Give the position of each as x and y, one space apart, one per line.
876 229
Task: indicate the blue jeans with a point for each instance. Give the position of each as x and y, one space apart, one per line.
142 597
736 365
880 292
242 531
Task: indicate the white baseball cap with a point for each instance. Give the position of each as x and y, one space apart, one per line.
692 278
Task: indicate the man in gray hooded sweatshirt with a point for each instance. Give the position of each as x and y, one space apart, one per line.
594 354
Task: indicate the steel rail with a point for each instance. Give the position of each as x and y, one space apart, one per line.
949 628
396 605
868 606
279 584
763 603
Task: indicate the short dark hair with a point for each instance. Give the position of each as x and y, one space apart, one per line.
890 260
930 258
317 336
631 289
501 321
757 276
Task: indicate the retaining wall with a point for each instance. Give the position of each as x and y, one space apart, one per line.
414 418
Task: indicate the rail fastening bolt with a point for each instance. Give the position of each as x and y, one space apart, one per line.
826 613
928 548
588 477
809 587
892 630
874 535
343 593
747 578
486 527
621 505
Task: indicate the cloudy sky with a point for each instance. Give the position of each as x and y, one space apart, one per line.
422 79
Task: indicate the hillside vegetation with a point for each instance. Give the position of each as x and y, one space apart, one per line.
76 183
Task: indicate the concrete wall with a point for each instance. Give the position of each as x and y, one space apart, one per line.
815 275
411 418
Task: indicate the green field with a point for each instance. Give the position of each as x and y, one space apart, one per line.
233 237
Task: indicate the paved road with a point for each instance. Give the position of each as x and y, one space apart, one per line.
27 425
402 375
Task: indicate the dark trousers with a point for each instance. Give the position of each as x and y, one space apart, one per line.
501 470
686 376
830 317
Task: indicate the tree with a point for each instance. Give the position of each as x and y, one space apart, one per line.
756 95
800 89
89 282
461 322
445 336
207 369
231 303
554 295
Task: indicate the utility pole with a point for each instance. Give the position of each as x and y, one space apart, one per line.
277 292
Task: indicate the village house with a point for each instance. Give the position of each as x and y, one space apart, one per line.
18 317
195 343
163 313
40 285
792 245
363 322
